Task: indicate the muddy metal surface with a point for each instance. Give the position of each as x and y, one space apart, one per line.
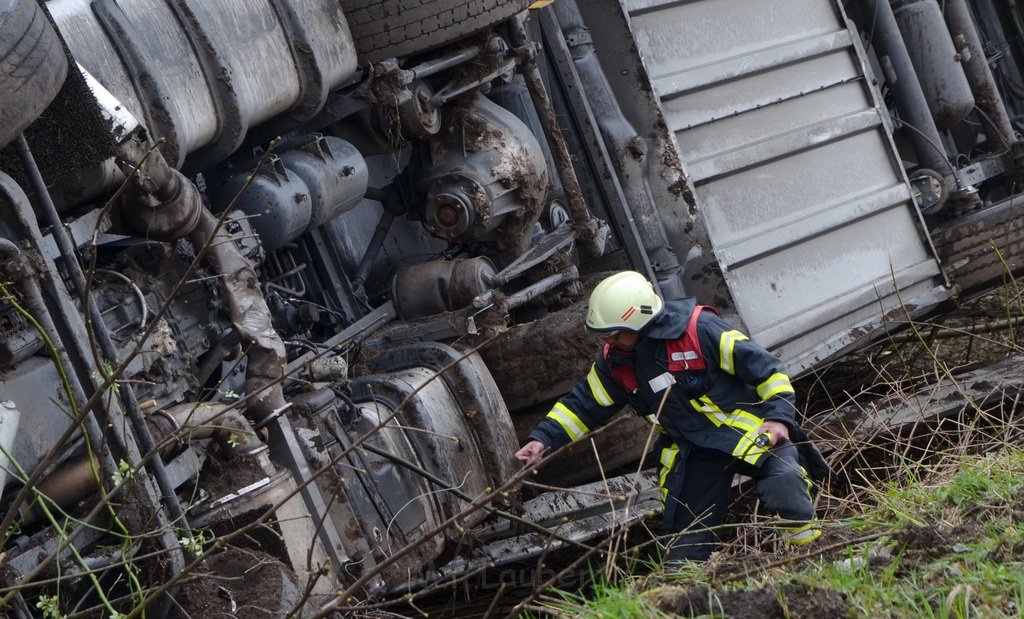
541 360
536 363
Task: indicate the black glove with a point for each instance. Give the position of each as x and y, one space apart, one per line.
810 458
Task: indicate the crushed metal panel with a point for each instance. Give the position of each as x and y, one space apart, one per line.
806 205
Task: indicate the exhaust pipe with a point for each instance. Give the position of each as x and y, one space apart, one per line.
75 480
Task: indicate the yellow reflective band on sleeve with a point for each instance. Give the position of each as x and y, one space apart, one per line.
668 460
569 421
539 4
726 344
597 388
777 383
747 422
746 449
803 535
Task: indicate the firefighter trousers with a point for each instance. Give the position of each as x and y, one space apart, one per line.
696 490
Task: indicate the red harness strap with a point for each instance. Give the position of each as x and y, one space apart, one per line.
685 353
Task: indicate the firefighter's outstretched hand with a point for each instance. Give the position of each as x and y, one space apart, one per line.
531 452
777 432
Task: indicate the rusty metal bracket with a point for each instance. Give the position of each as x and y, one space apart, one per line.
591 231
560 237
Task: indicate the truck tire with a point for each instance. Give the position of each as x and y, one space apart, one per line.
391 28
32 66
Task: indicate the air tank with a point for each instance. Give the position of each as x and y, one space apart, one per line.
438 286
334 173
936 61
277 202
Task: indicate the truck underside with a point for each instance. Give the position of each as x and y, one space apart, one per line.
284 284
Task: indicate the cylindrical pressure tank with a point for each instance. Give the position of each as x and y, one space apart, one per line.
936 61
334 172
276 200
439 286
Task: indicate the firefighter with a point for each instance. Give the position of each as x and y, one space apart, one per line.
721 405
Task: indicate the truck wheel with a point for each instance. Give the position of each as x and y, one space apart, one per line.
32 66
389 28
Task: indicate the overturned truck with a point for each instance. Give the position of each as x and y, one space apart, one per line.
285 281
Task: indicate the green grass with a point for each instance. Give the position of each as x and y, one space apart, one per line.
951 546
605 602
968 559
969 581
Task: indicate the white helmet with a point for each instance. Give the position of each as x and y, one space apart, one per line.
625 301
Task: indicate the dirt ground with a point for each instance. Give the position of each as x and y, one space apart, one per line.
238 583
789 602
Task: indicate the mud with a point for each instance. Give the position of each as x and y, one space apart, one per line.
136 512
66 138
238 583
221 478
790 601
927 540
542 360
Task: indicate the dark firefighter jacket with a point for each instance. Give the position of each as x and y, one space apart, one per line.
720 407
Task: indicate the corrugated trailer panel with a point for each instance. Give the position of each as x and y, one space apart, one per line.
796 178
